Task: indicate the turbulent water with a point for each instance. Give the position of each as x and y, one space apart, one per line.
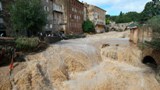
98 62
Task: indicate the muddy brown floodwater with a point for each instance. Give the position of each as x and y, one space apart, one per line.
98 62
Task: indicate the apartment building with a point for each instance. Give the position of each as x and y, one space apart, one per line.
74 16
97 16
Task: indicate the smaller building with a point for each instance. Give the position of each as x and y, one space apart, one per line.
96 15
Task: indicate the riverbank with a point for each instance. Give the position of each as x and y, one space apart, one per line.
85 64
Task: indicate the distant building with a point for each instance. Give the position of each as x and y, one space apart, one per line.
96 15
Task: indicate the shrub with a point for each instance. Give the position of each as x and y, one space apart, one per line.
88 26
27 44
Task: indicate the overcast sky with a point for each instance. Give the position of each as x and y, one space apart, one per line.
113 7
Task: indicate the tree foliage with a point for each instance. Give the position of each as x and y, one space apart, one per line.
126 17
107 19
88 26
151 9
27 16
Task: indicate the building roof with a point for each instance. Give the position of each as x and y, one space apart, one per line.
86 4
100 8
80 2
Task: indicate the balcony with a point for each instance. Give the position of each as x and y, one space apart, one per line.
57 8
100 22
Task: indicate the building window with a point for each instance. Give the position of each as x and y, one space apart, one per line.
51 26
74 16
46 26
46 8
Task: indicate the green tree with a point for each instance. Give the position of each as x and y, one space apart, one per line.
122 18
107 19
134 16
151 9
88 26
113 18
27 16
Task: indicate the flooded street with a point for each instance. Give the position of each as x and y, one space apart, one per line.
97 62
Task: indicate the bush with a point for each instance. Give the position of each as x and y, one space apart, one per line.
27 44
88 26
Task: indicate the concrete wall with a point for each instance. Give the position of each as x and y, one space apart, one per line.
144 34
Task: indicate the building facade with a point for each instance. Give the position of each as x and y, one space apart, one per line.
74 16
64 15
59 15
48 7
97 16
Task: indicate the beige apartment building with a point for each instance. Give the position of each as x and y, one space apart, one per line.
96 15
